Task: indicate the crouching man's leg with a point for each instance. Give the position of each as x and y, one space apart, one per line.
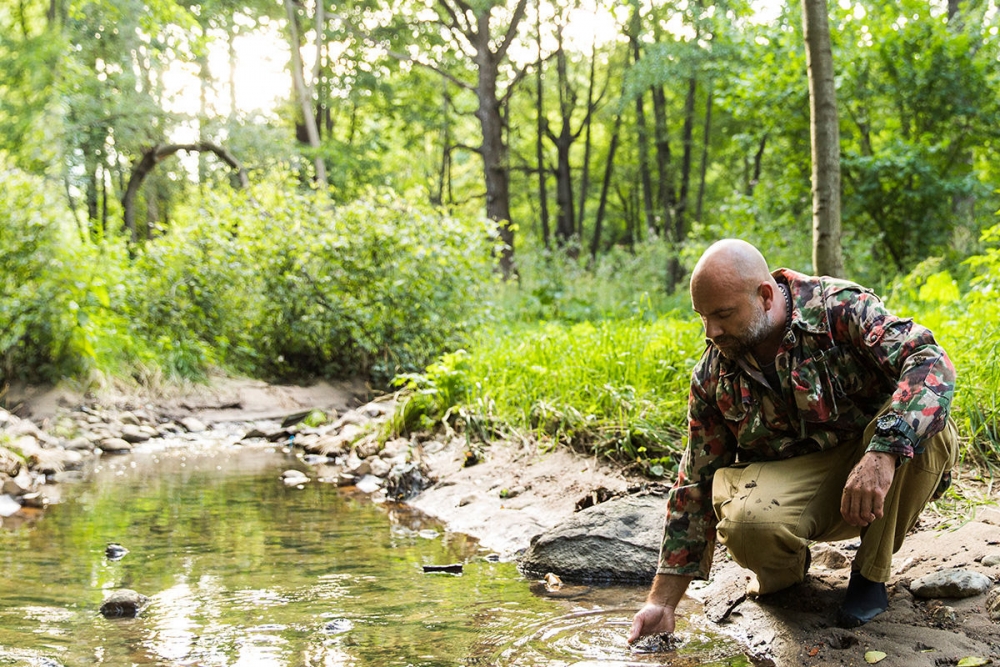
913 485
769 511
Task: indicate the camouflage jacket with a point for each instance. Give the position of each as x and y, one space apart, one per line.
842 359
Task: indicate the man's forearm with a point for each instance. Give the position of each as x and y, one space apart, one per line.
668 589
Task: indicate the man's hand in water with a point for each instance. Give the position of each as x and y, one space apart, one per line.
650 620
657 615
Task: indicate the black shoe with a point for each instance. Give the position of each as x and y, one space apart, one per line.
864 601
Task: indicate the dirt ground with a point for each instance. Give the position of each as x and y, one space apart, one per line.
540 489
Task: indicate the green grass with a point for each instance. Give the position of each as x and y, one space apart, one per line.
614 388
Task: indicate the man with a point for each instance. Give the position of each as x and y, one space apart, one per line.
814 414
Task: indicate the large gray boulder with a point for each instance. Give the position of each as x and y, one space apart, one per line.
618 540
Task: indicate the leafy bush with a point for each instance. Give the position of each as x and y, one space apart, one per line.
290 285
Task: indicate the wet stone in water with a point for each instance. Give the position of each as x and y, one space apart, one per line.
123 603
658 643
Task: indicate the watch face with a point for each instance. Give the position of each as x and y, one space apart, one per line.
887 421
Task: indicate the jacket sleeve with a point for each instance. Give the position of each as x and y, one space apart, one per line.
689 529
909 358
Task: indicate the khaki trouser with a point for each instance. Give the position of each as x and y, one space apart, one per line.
769 511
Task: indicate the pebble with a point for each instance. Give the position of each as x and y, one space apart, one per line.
955 583
368 484
8 505
115 446
993 604
193 425
123 603
991 560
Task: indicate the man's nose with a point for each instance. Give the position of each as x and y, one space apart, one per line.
712 329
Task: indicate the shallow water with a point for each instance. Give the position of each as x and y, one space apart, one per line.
243 570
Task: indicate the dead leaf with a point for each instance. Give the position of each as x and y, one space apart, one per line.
973 661
871 657
813 651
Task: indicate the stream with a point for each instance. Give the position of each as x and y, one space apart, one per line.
244 570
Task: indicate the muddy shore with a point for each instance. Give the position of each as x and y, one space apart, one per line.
518 490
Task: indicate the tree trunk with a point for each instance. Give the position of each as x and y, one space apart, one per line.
304 93
706 137
643 147
565 222
543 198
674 269
665 195
605 187
585 177
153 156
825 135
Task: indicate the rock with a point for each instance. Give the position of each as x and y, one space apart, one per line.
129 419
368 446
346 479
359 468
369 484
618 540
115 551
993 604
36 499
294 477
328 445
8 505
396 447
123 603
115 446
991 560
10 463
827 557
134 434
955 583
19 485
406 481
193 425
378 467
79 444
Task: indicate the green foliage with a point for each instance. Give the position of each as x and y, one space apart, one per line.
621 282
285 285
374 287
616 388
965 322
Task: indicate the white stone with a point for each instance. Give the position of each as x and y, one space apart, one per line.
369 484
991 560
378 467
8 505
193 425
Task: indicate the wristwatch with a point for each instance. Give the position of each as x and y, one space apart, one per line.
892 425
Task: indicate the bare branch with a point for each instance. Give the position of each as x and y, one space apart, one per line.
515 19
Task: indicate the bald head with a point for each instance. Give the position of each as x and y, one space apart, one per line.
734 293
730 265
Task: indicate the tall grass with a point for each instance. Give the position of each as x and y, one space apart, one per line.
614 388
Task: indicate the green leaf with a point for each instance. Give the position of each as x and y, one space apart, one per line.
972 661
871 657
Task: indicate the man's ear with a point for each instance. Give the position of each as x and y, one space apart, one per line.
766 292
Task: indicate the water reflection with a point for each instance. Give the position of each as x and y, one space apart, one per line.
244 570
